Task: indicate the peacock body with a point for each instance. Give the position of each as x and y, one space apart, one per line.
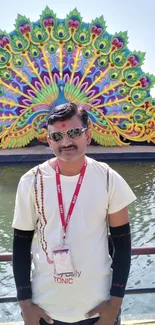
53 61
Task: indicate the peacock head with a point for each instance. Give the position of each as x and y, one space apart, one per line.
61 86
61 98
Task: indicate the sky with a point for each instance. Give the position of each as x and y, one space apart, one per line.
134 16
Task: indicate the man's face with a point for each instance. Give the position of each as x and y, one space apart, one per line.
68 149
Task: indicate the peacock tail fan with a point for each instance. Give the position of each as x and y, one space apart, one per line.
53 61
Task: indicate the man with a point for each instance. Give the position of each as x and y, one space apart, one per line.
62 206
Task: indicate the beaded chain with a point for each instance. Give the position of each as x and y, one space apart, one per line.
42 214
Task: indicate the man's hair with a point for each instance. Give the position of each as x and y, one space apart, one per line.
65 112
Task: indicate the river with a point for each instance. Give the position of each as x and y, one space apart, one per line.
141 177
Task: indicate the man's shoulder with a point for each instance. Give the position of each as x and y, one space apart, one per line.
98 164
102 168
31 173
99 169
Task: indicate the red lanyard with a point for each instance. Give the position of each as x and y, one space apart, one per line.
74 198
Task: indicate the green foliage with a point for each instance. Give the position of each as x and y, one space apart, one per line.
47 12
22 20
38 34
4 58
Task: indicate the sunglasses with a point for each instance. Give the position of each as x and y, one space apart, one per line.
72 134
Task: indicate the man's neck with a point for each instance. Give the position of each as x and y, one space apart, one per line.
70 168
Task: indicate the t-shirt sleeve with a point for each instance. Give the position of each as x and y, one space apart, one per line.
25 216
120 193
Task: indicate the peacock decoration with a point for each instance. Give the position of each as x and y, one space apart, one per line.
53 61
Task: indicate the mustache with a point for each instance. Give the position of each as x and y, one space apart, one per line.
69 147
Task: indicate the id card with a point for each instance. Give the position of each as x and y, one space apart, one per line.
62 260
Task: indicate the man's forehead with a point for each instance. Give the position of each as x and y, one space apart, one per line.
70 123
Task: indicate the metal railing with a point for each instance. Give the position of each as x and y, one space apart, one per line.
135 251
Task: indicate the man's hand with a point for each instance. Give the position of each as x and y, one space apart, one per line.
32 313
107 310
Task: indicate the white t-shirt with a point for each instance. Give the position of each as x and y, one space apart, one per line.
69 297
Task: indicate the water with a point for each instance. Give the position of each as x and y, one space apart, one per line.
141 177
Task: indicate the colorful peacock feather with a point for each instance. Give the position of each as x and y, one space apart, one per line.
53 61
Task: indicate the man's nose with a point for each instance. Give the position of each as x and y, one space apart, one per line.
66 141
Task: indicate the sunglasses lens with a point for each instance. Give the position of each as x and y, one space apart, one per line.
56 136
74 133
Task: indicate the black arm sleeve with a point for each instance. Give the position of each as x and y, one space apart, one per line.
122 259
22 262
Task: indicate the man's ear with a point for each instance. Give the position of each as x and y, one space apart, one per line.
89 136
48 140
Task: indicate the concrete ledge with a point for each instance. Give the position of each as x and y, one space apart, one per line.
41 153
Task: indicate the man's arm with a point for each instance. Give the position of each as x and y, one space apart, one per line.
121 237
22 268
22 262
120 232
24 223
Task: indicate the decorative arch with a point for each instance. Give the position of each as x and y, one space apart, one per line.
53 61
